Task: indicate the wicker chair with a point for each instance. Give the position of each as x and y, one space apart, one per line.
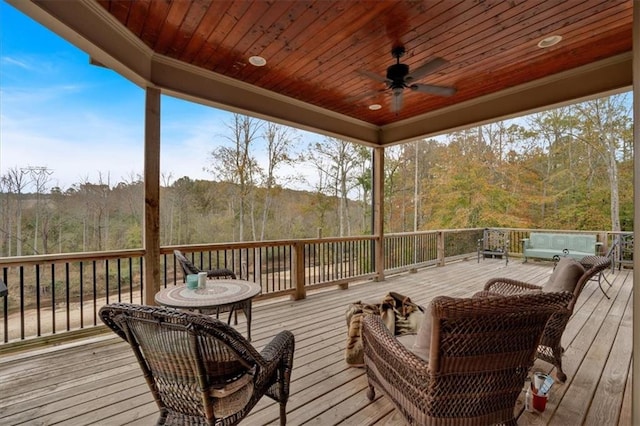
200 370
480 355
550 348
190 268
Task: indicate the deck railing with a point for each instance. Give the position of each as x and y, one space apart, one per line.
52 295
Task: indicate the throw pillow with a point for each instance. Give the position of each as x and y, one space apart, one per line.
408 341
422 344
565 276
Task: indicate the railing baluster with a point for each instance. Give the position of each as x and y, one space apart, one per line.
81 284
67 296
53 298
38 305
22 303
95 292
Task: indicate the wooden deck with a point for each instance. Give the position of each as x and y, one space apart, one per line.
98 381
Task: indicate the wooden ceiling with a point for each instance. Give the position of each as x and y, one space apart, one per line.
316 52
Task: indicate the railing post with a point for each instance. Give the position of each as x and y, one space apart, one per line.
603 238
151 237
297 274
440 244
378 210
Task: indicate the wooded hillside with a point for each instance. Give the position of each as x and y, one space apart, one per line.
569 168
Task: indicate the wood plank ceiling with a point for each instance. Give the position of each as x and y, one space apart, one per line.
326 60
315 50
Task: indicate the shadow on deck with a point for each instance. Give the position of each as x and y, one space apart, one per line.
97 381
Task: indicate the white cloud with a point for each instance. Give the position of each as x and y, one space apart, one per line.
8 61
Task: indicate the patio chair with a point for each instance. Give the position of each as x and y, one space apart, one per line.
190 268
623 253
200 370
494 244
569 275
478 357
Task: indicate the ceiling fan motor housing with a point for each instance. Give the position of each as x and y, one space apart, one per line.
396 73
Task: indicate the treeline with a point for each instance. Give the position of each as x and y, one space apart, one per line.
95 217
569 168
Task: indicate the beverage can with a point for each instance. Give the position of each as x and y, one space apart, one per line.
202 279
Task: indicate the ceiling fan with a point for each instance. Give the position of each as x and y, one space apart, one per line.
399 78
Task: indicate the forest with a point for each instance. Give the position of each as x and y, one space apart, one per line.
566 168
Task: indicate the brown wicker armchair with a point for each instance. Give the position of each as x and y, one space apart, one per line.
550 348
480 354
200 370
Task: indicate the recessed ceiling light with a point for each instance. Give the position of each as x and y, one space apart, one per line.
375 107
257 61
549 41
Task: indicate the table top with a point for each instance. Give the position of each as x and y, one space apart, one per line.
216 293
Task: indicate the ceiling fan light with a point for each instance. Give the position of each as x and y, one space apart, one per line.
396 100
549 41
257 61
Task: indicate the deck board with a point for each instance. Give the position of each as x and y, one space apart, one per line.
97 381
611 389
594 347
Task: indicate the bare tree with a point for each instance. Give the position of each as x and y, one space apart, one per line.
168 206
280 141
235 164
40 176
339 160
15 183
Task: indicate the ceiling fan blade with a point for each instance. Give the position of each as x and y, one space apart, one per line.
433 90
396 101
375 77
425 69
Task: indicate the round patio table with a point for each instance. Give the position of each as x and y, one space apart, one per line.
220 295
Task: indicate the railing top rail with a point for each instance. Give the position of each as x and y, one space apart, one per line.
69 257
255 244
556 231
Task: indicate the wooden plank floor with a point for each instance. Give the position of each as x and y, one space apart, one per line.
97 381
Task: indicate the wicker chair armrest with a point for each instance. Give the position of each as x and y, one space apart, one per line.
407 366
508 286
282 344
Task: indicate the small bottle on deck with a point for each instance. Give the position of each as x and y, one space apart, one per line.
528 397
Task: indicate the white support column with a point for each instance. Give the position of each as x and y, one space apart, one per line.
151 238
635 401
378 209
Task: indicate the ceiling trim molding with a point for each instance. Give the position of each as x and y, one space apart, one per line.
210 89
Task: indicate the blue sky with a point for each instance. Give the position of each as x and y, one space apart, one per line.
85 122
